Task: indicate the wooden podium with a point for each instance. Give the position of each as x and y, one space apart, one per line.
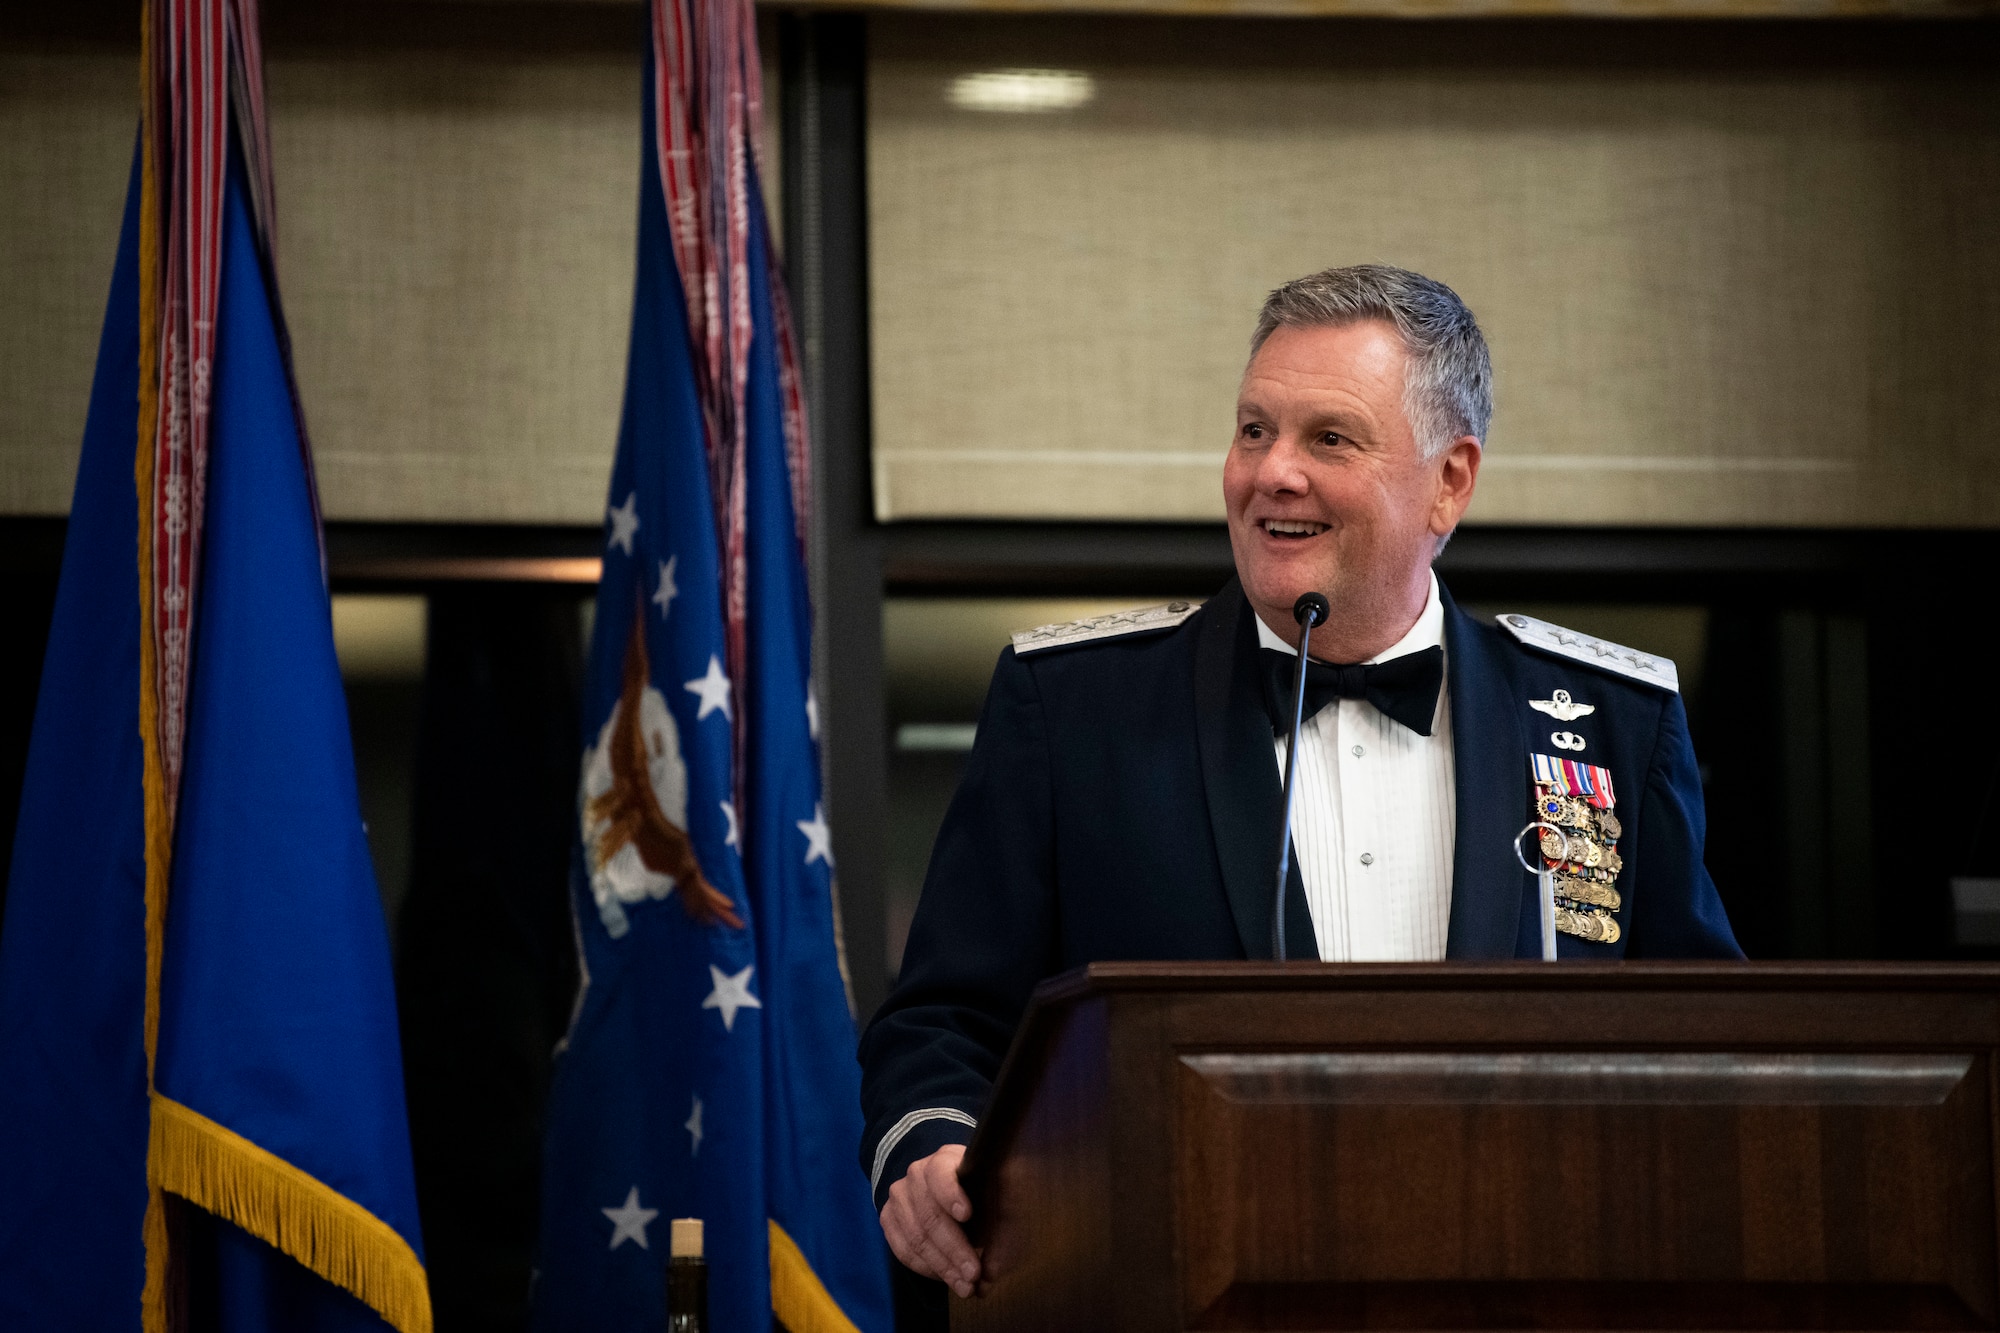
1573 1146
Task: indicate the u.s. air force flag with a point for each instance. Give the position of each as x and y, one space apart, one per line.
201 1101
709 1069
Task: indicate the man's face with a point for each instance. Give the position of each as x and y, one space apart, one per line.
1327 491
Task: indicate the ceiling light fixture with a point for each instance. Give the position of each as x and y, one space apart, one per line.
1023 90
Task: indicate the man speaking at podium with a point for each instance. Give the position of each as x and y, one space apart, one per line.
1123 799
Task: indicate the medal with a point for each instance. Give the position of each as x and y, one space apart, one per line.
1588 892
1582 850
1597 927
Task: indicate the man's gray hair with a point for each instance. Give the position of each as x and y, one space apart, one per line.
1449 388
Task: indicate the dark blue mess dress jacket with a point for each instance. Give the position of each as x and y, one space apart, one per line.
1121 802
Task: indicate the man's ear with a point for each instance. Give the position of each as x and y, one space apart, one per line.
1458 473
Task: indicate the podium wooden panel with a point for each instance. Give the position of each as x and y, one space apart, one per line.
1626 1146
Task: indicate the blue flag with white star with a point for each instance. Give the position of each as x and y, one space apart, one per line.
709 1069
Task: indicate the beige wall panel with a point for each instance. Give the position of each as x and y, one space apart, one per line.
456 237
1724 283
67 126
457 193
456 251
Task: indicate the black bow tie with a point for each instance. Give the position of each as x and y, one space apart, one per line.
1404 688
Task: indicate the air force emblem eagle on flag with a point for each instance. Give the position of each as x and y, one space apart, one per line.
709 1069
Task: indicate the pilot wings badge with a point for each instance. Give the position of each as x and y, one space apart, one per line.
633 804
1562 708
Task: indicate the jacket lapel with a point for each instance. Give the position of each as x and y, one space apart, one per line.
1489 758
1240 776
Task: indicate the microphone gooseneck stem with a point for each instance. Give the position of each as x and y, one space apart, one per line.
1311 609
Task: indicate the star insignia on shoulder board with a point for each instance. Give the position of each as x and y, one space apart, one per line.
1114 625
1603 654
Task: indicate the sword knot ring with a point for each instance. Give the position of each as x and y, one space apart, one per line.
1533 867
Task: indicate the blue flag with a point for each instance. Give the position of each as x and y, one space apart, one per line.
273 1125
709 1071
73 1103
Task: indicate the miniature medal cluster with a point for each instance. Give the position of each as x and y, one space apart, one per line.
1583 857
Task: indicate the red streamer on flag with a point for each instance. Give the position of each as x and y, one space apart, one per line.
201 56
203 71
708 109
186 127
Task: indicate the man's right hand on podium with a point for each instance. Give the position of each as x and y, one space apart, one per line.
925 1221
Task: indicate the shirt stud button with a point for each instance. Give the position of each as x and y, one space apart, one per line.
1368 858
1359 751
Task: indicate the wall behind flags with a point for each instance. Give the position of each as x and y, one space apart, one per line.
1741 282
457 192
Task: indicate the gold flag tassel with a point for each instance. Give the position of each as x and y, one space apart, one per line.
799 1299
219 1170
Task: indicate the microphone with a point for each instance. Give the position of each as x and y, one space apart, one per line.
1311 609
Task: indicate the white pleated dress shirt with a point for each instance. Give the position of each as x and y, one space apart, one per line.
1375 819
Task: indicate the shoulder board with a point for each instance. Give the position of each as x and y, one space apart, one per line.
1600 653
1143 620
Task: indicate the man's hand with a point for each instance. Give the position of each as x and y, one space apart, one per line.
924 1221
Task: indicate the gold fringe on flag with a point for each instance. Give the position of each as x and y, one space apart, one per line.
798 1298
220 1170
